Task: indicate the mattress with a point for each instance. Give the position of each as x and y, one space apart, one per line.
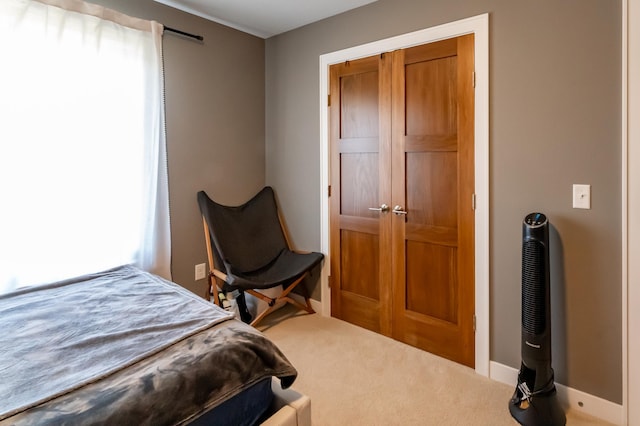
124 347
247 408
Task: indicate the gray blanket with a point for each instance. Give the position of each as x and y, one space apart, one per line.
123 343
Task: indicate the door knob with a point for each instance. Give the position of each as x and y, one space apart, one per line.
383 208
398 210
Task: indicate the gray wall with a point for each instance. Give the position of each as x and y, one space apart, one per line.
555 112
215 123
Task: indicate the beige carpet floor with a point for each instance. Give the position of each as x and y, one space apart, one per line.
357 377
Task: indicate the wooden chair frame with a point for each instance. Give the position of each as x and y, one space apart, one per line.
215 275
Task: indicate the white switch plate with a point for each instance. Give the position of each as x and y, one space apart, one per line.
581 196
201 271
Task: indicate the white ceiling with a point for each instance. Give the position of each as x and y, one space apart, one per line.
265 18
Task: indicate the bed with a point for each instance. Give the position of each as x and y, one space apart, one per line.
126 347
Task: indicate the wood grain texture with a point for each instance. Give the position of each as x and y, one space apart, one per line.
432 284
360 264
432 184
431 102
360 178
359 105
408 276
359 184
433 276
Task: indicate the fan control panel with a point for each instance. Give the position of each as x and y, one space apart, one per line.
535 219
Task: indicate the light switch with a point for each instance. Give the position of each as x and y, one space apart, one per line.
581 196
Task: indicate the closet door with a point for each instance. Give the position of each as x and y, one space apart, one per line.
433 181
360 134
402 219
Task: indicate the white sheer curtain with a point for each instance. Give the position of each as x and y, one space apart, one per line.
83 180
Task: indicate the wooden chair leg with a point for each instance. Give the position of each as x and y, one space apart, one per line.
307 301
263 314
213 288
284 297
300 306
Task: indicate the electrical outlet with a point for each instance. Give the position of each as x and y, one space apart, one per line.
201 271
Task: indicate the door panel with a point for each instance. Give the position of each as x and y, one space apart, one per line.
359 184
437 93
360 176
359 104
432 280
433 288
359 264
432 199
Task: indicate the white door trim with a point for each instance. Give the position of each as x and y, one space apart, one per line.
479 26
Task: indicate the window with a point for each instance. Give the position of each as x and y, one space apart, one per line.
83 177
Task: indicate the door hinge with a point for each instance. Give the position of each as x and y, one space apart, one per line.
329 191
329 100
473 201
474 79
329 281
474 323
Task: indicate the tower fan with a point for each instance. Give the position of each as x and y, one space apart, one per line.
534 402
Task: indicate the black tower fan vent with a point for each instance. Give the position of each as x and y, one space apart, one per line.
534 402
533 273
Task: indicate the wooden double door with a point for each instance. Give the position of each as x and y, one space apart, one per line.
401 204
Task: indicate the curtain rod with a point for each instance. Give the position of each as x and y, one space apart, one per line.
173 30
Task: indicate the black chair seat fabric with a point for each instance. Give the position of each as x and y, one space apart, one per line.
248 236
249 244
285 269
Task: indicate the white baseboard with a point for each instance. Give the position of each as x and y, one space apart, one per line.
569 398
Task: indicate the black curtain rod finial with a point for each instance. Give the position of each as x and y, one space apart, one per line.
183 33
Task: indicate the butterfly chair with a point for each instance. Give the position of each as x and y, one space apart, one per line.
248 251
